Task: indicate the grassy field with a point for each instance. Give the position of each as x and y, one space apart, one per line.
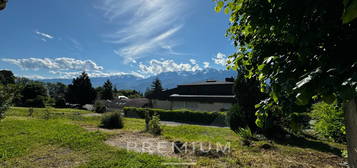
64 140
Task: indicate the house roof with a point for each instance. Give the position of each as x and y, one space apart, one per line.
209 91
209 83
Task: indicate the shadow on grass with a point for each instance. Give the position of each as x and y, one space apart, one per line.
311 144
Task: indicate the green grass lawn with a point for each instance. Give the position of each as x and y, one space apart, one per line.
63 141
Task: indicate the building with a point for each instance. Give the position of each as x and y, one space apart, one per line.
205 96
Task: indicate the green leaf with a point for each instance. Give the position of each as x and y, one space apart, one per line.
226 11
269 1
219 6
350 12
274 95
257 106
261 67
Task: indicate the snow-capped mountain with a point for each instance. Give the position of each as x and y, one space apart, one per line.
168 79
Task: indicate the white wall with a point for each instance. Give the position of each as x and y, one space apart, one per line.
198 106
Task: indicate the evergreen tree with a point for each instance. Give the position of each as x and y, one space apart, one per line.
81 91
156 86
107 93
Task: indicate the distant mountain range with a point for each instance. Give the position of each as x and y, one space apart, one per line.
168 79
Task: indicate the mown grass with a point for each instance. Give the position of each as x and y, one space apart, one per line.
26 139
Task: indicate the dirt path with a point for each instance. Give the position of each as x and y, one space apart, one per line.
143 143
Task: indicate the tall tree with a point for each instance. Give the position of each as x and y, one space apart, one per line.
34 95
107 93
297 50
81 91
7 77
156 86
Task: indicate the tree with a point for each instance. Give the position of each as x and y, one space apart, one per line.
155 90
298 50
81 91
247 96
4 100
56 90
3 4
34 95
6 77
156 86
107 93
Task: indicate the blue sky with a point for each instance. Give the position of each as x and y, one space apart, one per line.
61 38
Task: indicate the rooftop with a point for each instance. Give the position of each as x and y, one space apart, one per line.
209 82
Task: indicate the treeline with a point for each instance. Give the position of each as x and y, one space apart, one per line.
28 93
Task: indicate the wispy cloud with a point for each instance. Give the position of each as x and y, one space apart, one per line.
148 26
44 36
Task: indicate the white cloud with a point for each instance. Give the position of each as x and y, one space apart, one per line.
193 61
159 66
145 25
44 36
62 63
92 74
205 64
221 59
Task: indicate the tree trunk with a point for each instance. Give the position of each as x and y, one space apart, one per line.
351 129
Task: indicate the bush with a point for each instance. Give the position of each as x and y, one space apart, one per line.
99 107
31 111
112 121
60 102
329 121
154 125
38 101
246 135
234 118
182 115
46 114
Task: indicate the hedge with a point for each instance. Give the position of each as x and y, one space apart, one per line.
181 115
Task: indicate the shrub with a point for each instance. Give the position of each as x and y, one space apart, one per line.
99 107
112 121
234 118
31 111
46 114
154 125
60 102
181 115
246 135
329 121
